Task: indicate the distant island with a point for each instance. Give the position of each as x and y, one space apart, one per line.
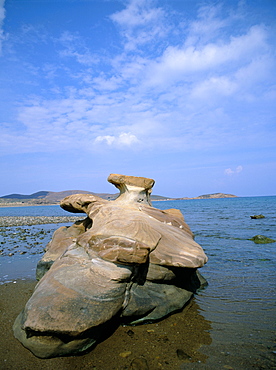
212 196
51 197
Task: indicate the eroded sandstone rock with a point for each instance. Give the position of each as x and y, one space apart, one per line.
125 261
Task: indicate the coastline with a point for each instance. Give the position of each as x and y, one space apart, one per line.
27 202
24 204
8 221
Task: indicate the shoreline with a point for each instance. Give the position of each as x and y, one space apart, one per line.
201 197
28 203
9 221
22 204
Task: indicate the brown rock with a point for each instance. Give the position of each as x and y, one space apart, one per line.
139 363
141 182
125 259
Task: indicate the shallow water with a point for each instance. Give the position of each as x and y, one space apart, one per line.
240 299
238 304
33 211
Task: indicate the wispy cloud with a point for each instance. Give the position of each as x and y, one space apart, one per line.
140 22
124 139
2 17
180 63
187 93
144 84
230 172
73 46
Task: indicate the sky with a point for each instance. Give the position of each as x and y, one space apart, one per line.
181 91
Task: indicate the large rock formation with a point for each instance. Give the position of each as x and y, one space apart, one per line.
126 261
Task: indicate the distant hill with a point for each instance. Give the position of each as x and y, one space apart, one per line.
213 196
51 197
39 194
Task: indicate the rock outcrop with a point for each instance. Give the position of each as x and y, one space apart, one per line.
261 239
126 261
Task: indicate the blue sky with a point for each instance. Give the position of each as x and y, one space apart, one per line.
181 91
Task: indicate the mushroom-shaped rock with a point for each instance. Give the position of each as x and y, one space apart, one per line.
125 260
132 189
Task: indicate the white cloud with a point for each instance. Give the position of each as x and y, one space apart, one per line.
103 83
74 47
214 87
185 95
107 138
127 139
230 172
207 25
140 22
137 13
178 63
2 17
124 139
160 84
259 69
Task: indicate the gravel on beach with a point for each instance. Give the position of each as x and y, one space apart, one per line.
6 221
29 234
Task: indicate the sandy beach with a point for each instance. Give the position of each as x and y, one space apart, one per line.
181 341
164 345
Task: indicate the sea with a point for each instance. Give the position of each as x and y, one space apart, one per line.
238 305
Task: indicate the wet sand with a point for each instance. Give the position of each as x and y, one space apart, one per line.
181 341
165 345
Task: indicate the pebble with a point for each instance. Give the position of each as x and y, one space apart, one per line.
20 235
182 355
139 363
36 220
130 333
125 354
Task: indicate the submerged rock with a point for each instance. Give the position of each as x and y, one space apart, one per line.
126 261
261 239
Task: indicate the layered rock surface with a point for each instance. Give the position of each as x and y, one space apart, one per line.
126 261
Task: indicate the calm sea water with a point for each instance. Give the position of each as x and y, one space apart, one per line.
240 299
34 211
239 302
